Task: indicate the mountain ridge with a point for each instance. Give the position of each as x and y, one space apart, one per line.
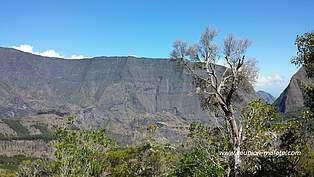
267 97
120 94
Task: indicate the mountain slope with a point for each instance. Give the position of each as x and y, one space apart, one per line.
267 97
291 99
122 94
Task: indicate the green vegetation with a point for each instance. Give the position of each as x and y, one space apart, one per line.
11 163
305 54
92 153
305 58
45 134
5 173
196 158
24 134
149 159
14 124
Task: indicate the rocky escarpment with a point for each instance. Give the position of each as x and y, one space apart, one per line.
291 100
121 94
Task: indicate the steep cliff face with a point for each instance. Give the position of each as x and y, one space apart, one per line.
291 99
119 93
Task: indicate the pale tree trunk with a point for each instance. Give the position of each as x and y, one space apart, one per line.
236 141
237 160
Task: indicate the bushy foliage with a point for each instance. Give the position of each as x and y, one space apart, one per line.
200 155
37 168
10 163
305 54
144 160
92 153
267 131
305 134
148 158
77 153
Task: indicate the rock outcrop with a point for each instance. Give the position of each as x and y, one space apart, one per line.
291 100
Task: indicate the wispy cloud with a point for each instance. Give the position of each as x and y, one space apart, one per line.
47 53
269 80
273 83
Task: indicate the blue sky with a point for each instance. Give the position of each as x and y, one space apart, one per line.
148 28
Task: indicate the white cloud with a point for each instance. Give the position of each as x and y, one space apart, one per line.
47 53
50 53
24 48
270 80
273 83
77 57
133 56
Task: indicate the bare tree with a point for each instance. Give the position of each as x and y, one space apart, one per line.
219 88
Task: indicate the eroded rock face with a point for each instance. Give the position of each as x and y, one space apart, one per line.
291 100
119 93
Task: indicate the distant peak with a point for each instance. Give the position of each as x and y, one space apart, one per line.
267 97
